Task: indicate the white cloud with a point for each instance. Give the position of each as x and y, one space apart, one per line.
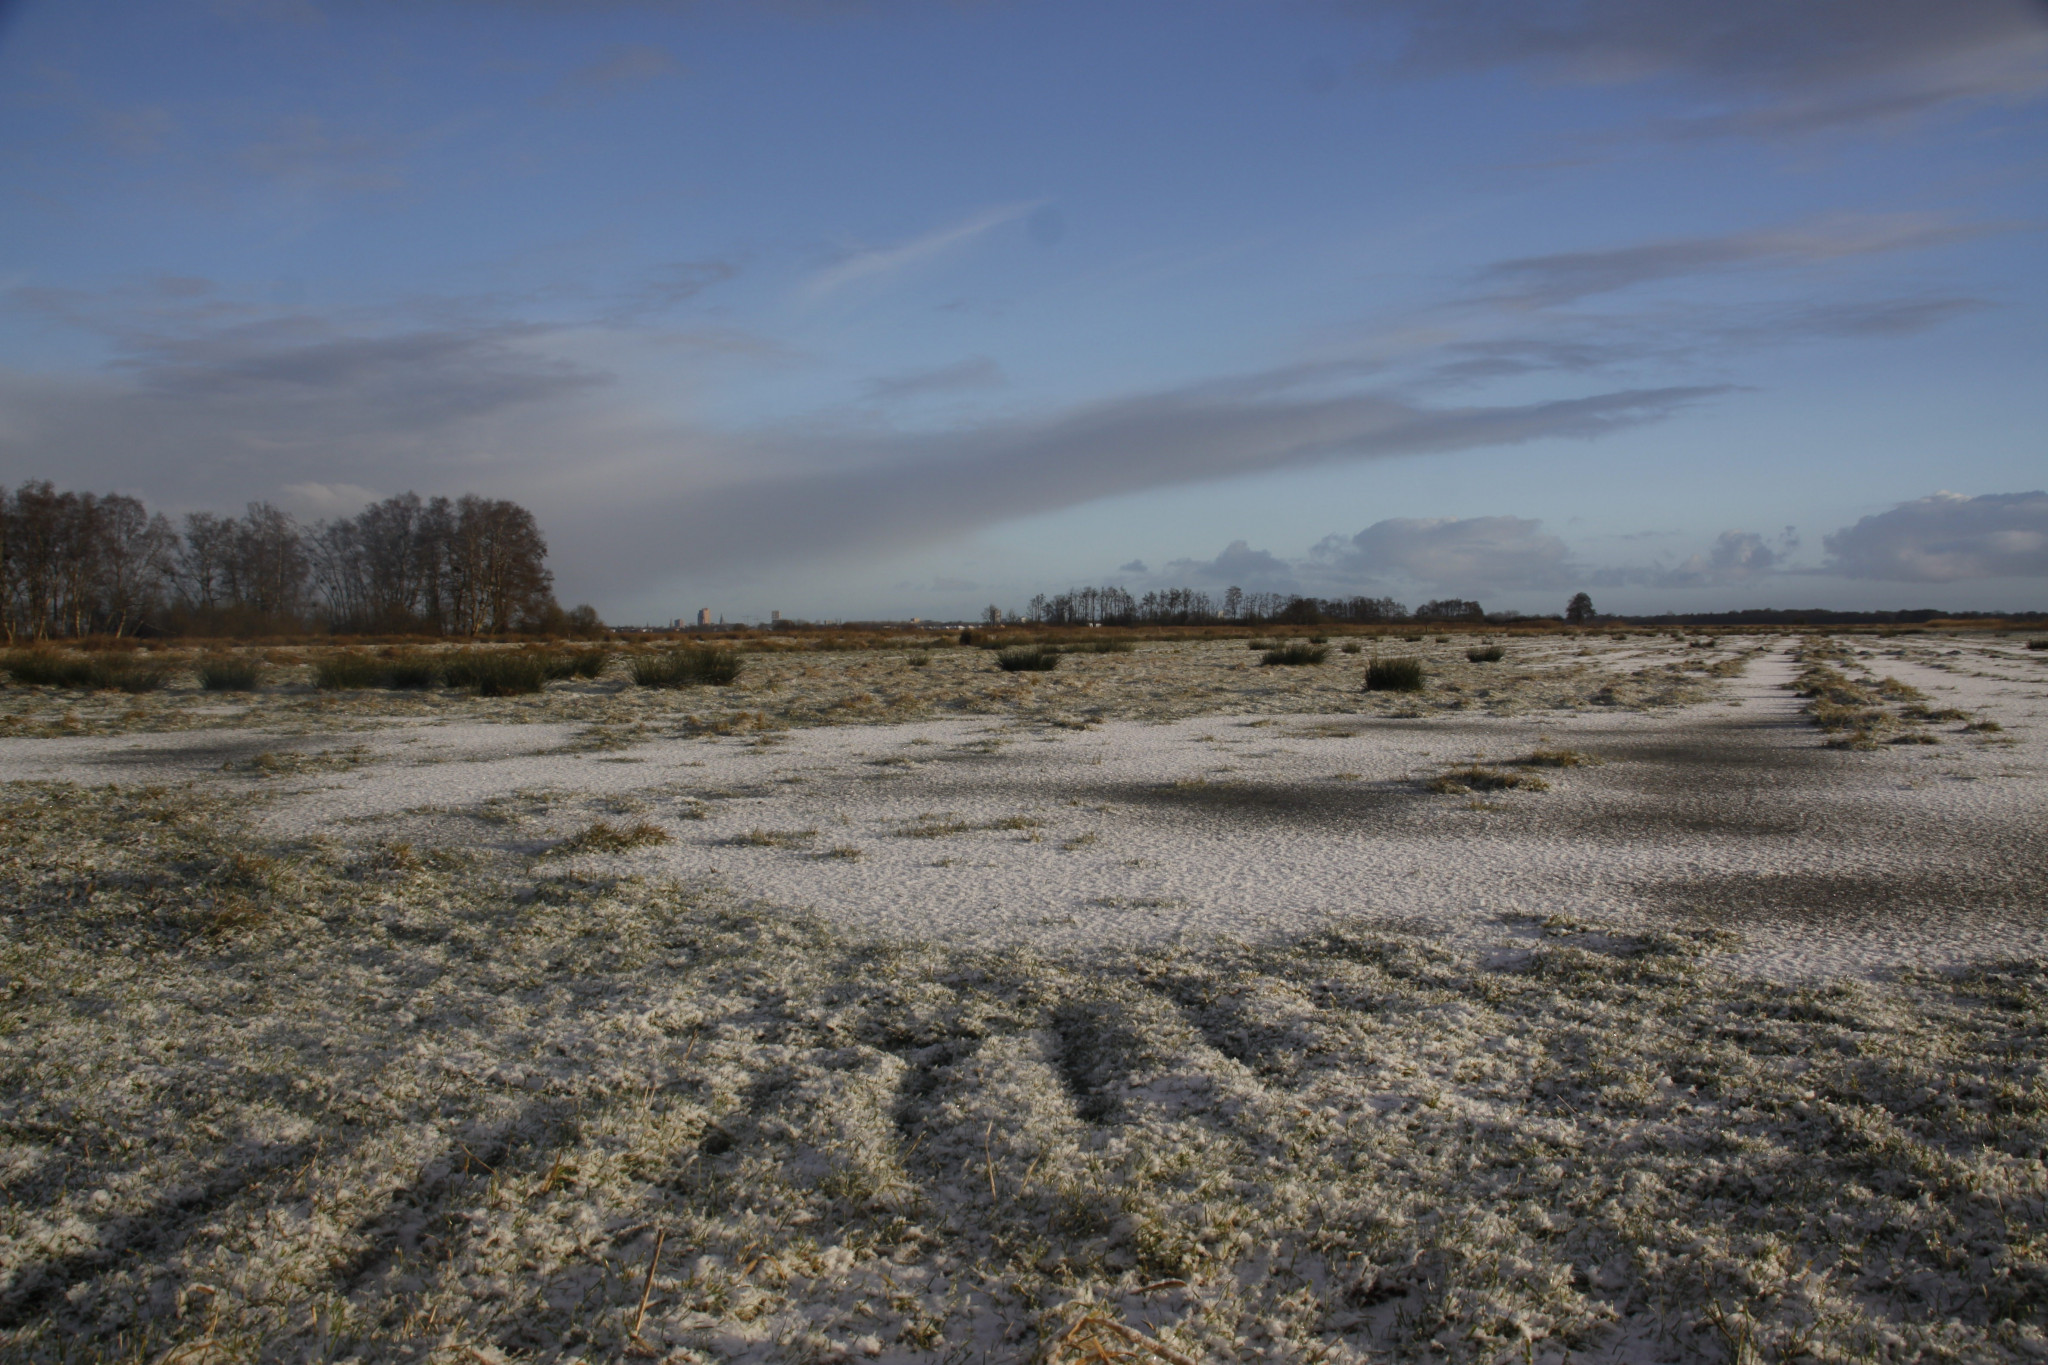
326 499
877 261
1469 554
1947 537
1238 564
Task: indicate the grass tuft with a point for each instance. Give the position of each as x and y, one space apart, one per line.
1394 675
1491 654
348 672
1295 652
602 836
1557 758
230 673
1028 659
497 672
688 667
775 838
1473 778
96 673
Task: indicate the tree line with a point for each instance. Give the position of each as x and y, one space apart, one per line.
74 564
1113 606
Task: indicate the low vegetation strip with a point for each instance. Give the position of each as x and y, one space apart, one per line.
404 1102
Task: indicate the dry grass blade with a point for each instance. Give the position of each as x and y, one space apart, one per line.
1084 1342
647 1288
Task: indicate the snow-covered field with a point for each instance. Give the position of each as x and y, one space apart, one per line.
1590 1002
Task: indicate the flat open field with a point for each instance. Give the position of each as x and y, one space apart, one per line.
1629 998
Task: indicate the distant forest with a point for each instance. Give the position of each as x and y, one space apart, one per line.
1109 606
75 564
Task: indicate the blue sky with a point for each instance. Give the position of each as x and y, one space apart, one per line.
889 309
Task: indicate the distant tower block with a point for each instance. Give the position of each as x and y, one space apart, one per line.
774 618
703 616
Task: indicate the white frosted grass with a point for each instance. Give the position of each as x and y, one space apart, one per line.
1133 833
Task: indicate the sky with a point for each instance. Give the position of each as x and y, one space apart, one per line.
860 309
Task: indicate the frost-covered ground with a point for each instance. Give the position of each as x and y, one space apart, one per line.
1028 1033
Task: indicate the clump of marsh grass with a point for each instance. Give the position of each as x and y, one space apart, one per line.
1394 675
1473 778
577 663
691 666
1099 647
602 836
230 673
349 672
1350 646
1557 758
1490 654
1028 659
1295 652
92 673
497 672
775 838
2037 644
412 672
921 659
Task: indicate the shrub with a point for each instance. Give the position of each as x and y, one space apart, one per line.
348 672
1393 675
1491 654
2037 644
1296 652
690 666
1028 659
229 673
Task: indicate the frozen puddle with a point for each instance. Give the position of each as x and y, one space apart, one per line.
1730 814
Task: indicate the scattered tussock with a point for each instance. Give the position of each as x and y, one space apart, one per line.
466 1107
1028 659
230 673
1557 758
1295 652
776 838
602 836
1474 778
1394 675
1491 654
86 672
690 667
496 672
